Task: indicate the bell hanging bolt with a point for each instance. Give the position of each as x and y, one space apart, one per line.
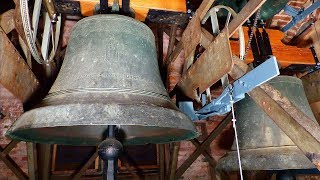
50 7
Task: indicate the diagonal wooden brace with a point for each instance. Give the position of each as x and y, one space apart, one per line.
203 146
4 157
205 153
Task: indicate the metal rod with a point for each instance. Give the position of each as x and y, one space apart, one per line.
109 151
103 6
111 131
126 6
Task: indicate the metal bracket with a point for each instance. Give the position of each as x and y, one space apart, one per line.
236 92
298 15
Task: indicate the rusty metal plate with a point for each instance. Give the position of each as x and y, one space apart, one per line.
7 21
215 62
15 74
191 36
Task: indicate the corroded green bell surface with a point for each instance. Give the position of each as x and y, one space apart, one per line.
263 145
109 76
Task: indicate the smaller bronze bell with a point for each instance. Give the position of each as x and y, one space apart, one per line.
263 145
311 85
109 76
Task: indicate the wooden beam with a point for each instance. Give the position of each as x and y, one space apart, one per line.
32 160
206 153
174 160
10 146
78 174
161 162
302 130
285 54
191 35
44 154
4 157
172 40
203 146
246 12
15 74
7 21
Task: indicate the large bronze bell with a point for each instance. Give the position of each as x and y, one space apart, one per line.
263 145
109 76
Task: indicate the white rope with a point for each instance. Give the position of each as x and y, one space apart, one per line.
235 132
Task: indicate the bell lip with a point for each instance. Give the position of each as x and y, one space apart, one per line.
269 158
33 120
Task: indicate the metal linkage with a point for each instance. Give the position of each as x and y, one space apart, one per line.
221 105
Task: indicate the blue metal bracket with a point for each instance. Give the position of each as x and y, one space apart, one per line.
298 15
235 92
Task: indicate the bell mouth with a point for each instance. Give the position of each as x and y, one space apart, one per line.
268 158
86 124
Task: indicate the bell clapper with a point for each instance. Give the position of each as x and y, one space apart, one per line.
235 129
109 151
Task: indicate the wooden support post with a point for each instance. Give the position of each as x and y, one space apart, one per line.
302 130
172 40
78 174
32 160
161 161
203 146
174 160
167 157
44 160
208 157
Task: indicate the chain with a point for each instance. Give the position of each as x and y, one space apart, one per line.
235 130
251 33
